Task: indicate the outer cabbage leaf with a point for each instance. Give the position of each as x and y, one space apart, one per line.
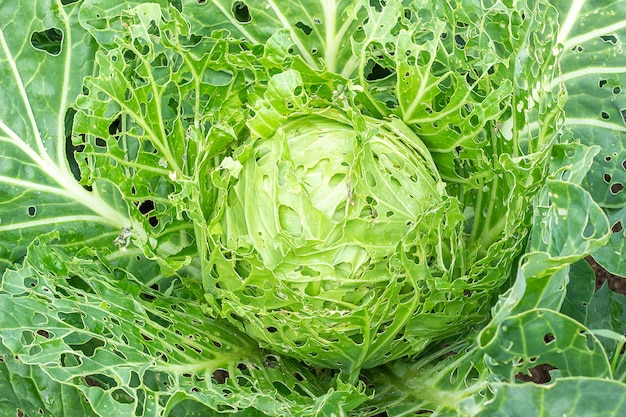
542 336
585 396
480 99
44 56
593 35
319 32
21 387
161 108
526 329
94 331
568 225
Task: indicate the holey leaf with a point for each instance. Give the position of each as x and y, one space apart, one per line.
159 109
593 36
92 331
319 32
567 397
43 57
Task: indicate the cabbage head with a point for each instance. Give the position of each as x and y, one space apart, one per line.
337 244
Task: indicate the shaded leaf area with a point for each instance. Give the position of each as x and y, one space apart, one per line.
92 332
436 384
606 316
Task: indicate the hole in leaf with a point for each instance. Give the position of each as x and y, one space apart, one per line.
81 284
241 12
602 83
281 388
605 115
357 338
607 178
146 207
146 296
122 396
336 179
617 227
623 113
617 188
548 338
289 220
460 41
154 222
161 321
612 39
375 72
617 90
271 361
48 41
91 382
88 348
589 231
539 374
377 5
44 333
32 211
220 375
305 28
116 126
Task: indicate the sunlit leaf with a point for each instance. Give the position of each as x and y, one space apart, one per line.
43 57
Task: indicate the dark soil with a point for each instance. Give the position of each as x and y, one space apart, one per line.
616 283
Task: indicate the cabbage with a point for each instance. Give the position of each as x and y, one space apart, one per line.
346 184
333 237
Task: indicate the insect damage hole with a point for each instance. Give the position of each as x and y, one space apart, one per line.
49 41
548 338
617 188
612 39
304 28
241 12
32 211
